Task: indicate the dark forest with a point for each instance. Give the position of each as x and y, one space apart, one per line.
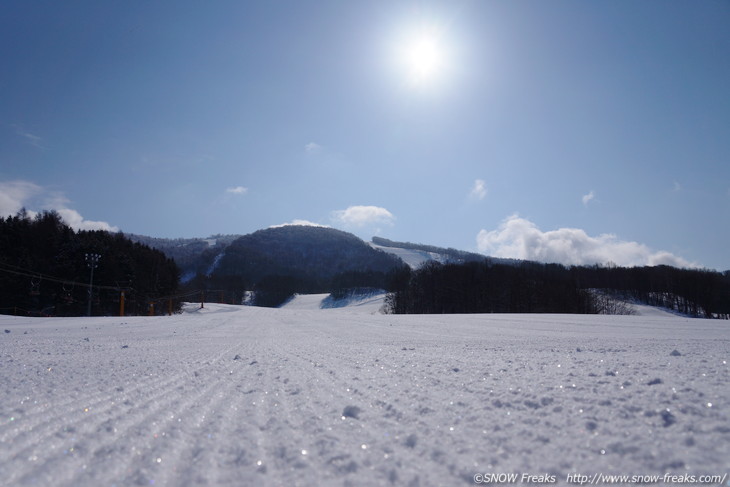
530 287
44 271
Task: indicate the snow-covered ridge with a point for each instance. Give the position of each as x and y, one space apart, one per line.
231 395
413 258
415 255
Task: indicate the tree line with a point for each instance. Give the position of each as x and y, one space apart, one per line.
530 287
276 289
694 292
43 270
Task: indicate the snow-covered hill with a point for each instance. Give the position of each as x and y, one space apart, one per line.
415 255
412 257
239 396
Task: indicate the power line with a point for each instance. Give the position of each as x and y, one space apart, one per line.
20 271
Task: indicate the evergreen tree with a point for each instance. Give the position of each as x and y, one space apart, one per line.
43 270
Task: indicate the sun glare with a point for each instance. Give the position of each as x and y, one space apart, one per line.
422 56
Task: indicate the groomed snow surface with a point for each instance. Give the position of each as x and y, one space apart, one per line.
239 396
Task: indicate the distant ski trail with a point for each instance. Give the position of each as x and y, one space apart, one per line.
244 396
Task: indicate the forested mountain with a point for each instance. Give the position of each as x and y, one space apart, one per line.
277 262
192 255
201 256
44 271
303 251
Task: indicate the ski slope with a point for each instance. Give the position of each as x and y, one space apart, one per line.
412 257
238 396
360 303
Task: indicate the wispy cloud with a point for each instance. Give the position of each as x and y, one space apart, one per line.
312 147
359 216
677 187
15 195
478 190
237 190
30 138
587 198
519 238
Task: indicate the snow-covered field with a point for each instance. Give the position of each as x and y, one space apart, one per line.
238 396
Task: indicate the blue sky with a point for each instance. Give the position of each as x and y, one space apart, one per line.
564 131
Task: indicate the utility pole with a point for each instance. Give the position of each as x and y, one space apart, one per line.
92 260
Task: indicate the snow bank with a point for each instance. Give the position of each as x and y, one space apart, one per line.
237 396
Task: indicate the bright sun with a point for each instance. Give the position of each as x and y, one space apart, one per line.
423 57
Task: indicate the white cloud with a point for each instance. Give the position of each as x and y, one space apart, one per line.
479 190
359 216
74 219
588 197
677 187
312 147
32 139
519 238
237 190
15 195
305 223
